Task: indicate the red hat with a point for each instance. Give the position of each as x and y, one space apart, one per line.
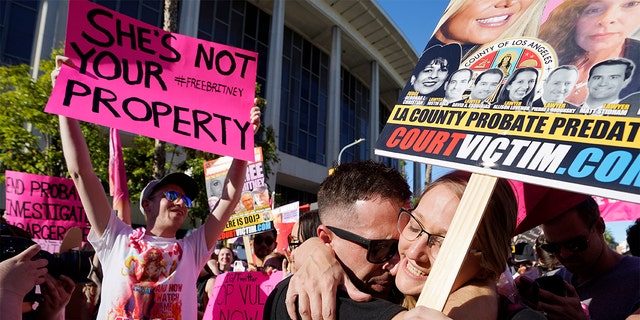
539 204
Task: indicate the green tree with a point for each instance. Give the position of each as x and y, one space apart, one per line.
608 238
29 137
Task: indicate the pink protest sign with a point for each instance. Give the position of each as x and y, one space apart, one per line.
44 206
132 76
240 295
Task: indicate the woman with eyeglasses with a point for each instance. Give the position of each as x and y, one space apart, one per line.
423 230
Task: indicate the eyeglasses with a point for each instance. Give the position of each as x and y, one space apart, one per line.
411 229
174 195
293 242
577 244
261 240
378 251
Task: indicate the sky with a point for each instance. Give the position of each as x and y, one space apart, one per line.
417 20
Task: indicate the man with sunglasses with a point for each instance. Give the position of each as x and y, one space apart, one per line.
600 283
358 207
262 244
148 273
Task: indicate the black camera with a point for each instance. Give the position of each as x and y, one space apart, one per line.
74 264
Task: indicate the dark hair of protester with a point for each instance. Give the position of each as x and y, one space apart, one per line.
633 238
503 95
353 181
308 224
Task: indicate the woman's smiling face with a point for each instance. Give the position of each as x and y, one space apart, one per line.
480 22
522 85
434 212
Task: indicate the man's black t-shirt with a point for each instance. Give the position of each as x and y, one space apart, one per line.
346 308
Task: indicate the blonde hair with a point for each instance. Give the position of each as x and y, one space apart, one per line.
528 28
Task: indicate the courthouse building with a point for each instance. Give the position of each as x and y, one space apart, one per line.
331 70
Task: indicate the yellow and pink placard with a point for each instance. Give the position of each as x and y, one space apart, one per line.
139 78
44 206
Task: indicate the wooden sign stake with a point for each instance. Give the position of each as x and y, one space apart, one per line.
456 244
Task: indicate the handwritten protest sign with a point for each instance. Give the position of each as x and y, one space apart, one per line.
44 206
139 78
240 295
253 213
498 111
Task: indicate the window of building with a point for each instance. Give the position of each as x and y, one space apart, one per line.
303 113
18 19
290 195
239 24
384 116
149 11
354 117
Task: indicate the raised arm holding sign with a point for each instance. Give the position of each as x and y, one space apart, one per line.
148 273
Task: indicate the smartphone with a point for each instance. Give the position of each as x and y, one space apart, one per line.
553 284
528 290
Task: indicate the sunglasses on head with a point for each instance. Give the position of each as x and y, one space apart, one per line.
378 251
293 242
260 240
577 244
174 195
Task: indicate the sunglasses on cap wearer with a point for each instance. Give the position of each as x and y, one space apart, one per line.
577 244
174 195
378 251
293 242
260 240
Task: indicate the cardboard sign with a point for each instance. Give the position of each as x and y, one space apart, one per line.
240 295
44 206
523 108
253 212
135 77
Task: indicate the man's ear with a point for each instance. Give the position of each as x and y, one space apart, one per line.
600 226
413 79
324 234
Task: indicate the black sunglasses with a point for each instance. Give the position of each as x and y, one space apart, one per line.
378 251
577 244
260 240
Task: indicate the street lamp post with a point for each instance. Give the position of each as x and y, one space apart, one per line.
348 146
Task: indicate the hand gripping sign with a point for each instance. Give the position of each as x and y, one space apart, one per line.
139 78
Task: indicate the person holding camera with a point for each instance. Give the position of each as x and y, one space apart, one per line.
599 282
148 272
18 276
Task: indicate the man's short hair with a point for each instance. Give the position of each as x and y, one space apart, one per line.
614 62
362 180
489 71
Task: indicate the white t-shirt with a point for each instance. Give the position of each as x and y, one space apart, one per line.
148 277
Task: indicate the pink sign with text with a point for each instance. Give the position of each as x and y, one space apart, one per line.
240 295
44 206
139 78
